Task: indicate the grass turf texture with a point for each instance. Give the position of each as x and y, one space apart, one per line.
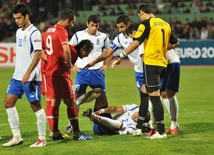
196 111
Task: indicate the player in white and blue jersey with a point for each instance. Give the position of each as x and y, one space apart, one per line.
94 76
123 41
169 88
26 78
123 122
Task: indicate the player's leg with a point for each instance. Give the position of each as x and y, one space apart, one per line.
89 96
52 105
13 119
139 82
108 125
153 84
72 111
97 80
163 90
174 112
41 124
172 89
144 102
32 91
13 93
81 83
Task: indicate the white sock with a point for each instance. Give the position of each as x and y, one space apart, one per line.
13 119
173 111
41 123
174 108
166 103
108 122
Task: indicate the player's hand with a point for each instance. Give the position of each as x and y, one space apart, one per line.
115 61
75 69
89 65
25 78
103 68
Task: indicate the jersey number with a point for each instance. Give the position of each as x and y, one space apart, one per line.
49 49
163 37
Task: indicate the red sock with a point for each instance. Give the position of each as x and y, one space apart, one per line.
52 116
73 117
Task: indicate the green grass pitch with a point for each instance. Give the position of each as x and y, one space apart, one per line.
196 113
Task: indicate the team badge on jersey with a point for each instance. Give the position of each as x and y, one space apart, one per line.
140 31
19 42
98 42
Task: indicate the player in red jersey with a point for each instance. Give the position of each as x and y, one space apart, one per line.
57 73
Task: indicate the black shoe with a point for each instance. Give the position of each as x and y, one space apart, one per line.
87 113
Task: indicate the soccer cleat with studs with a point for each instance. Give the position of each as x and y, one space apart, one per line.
58 136
39 143
137 132
172 131
82 136
157 136
87 113
13 142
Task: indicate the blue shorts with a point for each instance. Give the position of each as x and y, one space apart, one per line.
92 78
31 89
139 80
99 130
171 78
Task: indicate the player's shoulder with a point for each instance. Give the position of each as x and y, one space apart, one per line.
81 32
102 34
32 28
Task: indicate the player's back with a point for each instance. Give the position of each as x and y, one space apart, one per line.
157 42
52 40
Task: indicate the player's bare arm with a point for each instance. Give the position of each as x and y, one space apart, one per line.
171 46
44 55
132 47
127 51
110 109
35 61
67 56
106 54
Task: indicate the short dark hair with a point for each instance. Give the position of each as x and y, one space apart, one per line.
84 44
94 19
67 14
145 7
21 8
123 19
132 27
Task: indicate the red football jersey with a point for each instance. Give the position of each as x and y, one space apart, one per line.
73 54
52 41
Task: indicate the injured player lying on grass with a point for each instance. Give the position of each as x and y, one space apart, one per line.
123 121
